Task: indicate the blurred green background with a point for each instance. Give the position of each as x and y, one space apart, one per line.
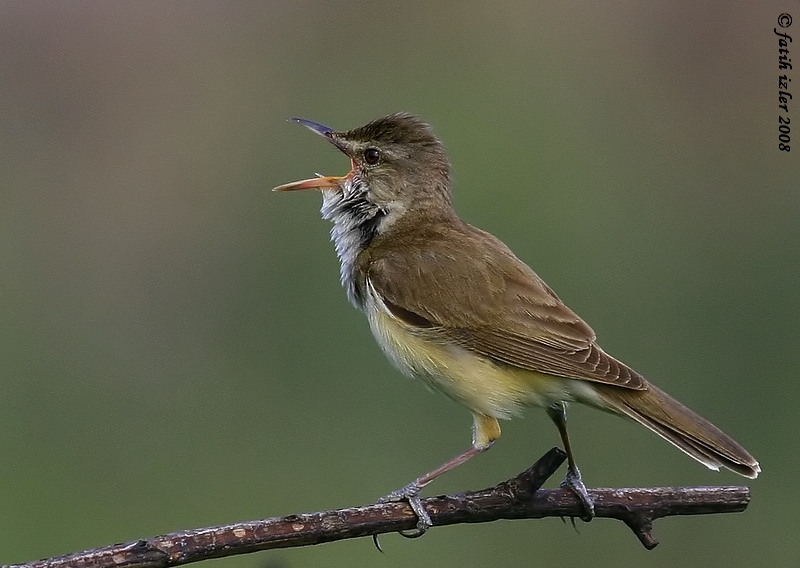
176 351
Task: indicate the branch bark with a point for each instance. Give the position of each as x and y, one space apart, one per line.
517 498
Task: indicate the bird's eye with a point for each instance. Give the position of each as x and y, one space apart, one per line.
372 156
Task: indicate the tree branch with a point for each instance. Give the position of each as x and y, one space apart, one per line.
517 498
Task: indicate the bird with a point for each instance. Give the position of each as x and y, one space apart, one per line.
453 306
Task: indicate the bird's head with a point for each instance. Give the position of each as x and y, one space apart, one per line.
396 165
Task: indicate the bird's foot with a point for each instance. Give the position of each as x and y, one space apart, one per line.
573 482
410 493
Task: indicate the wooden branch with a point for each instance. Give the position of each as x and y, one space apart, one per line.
517 498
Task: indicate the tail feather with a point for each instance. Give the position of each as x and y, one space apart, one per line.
691 433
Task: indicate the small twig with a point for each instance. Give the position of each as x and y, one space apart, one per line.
517 498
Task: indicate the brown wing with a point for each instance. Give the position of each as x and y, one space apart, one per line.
485 299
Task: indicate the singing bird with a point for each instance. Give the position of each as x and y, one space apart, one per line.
450 304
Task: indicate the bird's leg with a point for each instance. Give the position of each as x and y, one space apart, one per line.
411 492
558 414
484 433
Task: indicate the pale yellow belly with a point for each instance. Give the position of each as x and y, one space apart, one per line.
478 383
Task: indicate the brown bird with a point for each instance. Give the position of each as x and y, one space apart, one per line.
450 304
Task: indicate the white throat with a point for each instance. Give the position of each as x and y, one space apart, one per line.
356 221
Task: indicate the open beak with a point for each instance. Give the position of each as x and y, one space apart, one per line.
319 182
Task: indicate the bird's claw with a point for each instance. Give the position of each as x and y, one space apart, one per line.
410 494
574 483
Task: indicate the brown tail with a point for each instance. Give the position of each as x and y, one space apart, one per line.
688 431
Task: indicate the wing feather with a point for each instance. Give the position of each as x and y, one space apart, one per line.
489 302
